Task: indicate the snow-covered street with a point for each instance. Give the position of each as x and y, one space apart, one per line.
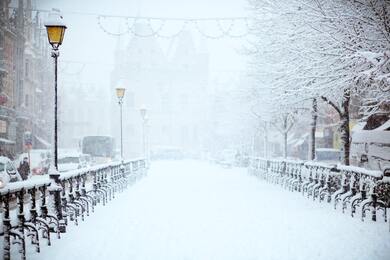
195 210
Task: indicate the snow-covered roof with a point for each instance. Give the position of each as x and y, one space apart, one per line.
4 159
6 141
327 150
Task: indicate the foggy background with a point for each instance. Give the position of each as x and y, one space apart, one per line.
195 105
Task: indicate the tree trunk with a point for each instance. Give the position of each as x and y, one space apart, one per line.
285 132
344 127
265 139
312 153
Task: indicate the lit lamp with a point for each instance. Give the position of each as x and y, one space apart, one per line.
55 28
120 93
143 111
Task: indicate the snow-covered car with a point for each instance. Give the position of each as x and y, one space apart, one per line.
39 161
68 162
8 172
370 147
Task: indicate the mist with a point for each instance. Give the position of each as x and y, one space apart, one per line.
194 129
179 79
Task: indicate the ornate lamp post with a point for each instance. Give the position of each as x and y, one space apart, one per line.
143 112
120 93
55 28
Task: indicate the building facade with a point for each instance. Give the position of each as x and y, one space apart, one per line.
172 84
25 78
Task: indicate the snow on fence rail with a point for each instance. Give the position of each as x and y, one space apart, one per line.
353 188
31 210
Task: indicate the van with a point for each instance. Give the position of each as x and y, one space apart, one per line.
370 147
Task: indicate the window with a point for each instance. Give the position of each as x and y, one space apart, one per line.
1 40
10 168
26 68
3 127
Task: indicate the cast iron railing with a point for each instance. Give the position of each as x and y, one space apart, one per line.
351 188
35 210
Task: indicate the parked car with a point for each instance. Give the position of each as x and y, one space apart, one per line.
370 147
68 162
8 172
39 161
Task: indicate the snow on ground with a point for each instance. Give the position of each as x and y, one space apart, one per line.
194 210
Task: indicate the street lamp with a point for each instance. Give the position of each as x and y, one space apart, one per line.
55 28
120 93
143 112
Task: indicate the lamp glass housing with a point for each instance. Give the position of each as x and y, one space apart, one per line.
120 92
55 34
143 110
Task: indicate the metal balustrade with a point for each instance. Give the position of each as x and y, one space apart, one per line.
349 188
35 210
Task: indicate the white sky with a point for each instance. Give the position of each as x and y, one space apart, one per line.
85 41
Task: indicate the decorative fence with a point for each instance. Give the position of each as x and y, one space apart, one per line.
354 189
38 209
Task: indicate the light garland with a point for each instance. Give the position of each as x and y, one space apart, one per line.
174 35
152 33
99 18
185 23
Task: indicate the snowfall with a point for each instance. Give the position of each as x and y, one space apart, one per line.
196 210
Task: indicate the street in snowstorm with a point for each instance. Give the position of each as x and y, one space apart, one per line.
197 210
195 130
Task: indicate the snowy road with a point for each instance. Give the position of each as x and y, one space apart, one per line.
194 210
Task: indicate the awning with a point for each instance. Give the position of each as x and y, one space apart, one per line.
42 141
298 141
6 141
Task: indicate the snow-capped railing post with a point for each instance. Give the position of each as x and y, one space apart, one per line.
353 188
65 197
357 187
6 227
122 175
55 190
374 197
20 228
360 196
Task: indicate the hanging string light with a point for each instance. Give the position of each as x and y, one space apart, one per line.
182 28
221 34
184 23
229 32
151 31
100 24
158 32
